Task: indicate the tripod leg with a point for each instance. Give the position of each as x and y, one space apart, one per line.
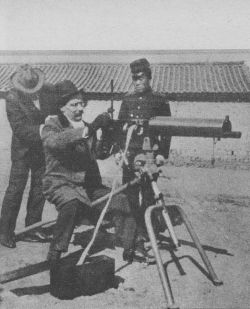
162 274
198 245
165 214
170 226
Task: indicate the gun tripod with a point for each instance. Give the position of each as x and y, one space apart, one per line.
164 208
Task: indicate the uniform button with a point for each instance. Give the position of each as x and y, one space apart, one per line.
131 115
138 107
140 98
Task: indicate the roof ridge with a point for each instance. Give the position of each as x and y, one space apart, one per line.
123 51
127 63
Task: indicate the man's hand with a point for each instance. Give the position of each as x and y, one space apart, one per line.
40 129
101 121
118 157
159 160
85 133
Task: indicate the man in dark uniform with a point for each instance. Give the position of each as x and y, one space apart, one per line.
72 178
140 106
27 104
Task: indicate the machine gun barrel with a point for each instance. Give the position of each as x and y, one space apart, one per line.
196 127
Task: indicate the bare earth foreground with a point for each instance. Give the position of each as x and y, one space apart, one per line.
217 203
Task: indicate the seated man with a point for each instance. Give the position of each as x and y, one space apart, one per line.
72 178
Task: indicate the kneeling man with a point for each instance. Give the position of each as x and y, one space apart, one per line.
72 178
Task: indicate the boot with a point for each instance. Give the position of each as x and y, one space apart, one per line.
53 257
128 255
142 254
8 241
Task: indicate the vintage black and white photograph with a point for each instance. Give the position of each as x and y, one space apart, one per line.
124 154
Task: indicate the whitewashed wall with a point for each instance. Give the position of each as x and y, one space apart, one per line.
225 149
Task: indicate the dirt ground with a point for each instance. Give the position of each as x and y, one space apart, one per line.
216 201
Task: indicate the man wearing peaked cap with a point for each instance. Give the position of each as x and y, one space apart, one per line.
72 178
140 66
141 105
27 104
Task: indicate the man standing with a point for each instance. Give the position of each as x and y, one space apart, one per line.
140 106
27 104
72 178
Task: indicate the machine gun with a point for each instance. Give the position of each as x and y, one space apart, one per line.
173 214
163 127
194 127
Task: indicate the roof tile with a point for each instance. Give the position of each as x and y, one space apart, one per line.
177 78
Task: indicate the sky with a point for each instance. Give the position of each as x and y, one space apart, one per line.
124 24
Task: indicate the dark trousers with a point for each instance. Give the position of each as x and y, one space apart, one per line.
13 197
71 211
138 207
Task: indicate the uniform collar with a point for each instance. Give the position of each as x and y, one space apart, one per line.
143 94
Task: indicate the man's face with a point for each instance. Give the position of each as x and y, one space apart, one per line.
74 109
141 82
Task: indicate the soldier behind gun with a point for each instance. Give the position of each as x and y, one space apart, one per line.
138 106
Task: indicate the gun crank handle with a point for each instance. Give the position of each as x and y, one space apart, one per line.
157 192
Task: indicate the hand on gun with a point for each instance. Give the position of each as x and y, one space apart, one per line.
118 158
159 160
139 126
102 121
142 165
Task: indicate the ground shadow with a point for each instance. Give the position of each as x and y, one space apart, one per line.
32 290
122 267
33 269
191 244
176 260
47 230
43 289
181 270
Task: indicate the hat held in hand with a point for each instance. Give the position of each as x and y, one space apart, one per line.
27 79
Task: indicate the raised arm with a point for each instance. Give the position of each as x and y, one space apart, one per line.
21 126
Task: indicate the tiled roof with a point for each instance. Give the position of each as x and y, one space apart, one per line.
177 80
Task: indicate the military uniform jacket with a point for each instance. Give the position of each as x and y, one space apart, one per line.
25 120
71 168
145 106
